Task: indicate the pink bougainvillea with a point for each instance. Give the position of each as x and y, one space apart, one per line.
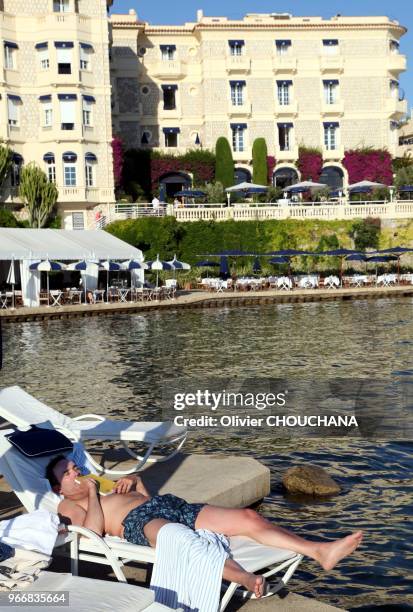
369 165
203 172
310 164
270 167
117 151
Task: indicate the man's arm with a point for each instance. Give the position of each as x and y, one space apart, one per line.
92 518
127 483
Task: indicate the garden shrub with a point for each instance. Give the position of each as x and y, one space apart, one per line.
259 162
224 163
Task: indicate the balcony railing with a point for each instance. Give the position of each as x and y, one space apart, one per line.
238 63
167 69
334 64
284 65
240 110
335 108
284 110
396 108
396 62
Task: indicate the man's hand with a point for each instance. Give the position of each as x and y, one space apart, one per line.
92 485
125 484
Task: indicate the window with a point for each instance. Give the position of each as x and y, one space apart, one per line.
10 55
238 137
67 111
330 46
87 105
330 91
282 46
16 166
394 89
168 52
394 46
43 55
61 6
169 96
284 136
64 57
13 103
330 136
69 174
146 137
90 161
237 92
46 111
394 131
85 56
78 221
283 92
236 47
171 136
49 160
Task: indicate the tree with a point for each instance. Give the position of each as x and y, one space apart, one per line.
366 233
7 219
259 161
404 176
38 194
224 164
6 155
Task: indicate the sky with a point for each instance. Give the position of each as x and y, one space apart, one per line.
178 11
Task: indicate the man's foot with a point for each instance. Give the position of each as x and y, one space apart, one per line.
330 553
255 584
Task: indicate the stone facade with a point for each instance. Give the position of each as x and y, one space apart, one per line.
360 53
79 22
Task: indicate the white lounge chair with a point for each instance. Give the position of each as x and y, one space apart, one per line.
22 410
89 595
26 478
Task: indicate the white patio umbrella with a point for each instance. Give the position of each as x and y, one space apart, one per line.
306 185
47 266
158 265
11 278
244 186
366 185
109 266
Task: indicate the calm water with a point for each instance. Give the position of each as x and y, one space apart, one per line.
116 365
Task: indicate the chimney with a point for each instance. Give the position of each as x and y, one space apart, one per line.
199 15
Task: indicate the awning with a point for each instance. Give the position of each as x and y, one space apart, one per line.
283 43
238 83
171 130
14 97
86 46
167 47
10 44
284 82
330 81
69 156
236 43
169 87
285 125
42 45
63 44
17 158
88 98
91 157
328 42
67 96
48 157
331 124
238 126
45 98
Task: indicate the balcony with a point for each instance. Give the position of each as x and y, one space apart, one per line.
55 79
240 110
240 64
284 65
333 154
71 194
331 64
286 110
334 109
173 113
396 108
95 194
67 135
396 62
291 155
169 69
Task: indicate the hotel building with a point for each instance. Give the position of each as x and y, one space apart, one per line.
55 99
331 84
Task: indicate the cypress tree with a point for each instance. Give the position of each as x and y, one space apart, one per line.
224 164
259 162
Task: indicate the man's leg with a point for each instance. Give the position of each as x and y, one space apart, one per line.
233 572
246 522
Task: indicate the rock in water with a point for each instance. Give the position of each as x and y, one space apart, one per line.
310 480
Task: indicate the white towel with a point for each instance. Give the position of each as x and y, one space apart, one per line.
22 569
33 531
188 568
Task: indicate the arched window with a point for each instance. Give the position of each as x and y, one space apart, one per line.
332 176
90 161
69 169
242 175
284 177
50 162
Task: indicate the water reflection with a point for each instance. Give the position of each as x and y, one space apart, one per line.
117 365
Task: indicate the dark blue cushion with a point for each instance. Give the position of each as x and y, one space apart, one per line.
6 551
38 442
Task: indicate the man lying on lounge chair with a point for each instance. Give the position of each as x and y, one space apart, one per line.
131 513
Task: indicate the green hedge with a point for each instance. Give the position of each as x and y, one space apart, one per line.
224 163
259 162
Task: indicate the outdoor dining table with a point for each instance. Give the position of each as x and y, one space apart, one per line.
331 282
123 293
308 282
358 280
386 280
284 282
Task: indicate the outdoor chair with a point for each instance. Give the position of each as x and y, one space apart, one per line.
22 410
44 298
26 477
91 595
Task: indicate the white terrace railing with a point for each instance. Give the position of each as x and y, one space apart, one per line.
398 209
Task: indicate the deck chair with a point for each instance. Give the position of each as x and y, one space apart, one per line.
22 410
91 595
25 477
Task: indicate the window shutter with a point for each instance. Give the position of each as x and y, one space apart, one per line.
67 111
12 110
64 56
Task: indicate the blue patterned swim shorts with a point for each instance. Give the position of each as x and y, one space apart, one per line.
168 507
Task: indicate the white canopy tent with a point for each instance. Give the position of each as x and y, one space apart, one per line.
29 245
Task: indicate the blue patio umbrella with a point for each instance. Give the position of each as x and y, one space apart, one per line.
356 257
381 259
134 264
207 264
279 260
224 267
395 251
47 266
405 188
191 193
340 252
109 266
78 265
178 265
157 265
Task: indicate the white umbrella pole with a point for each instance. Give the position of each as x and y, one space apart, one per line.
107 286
